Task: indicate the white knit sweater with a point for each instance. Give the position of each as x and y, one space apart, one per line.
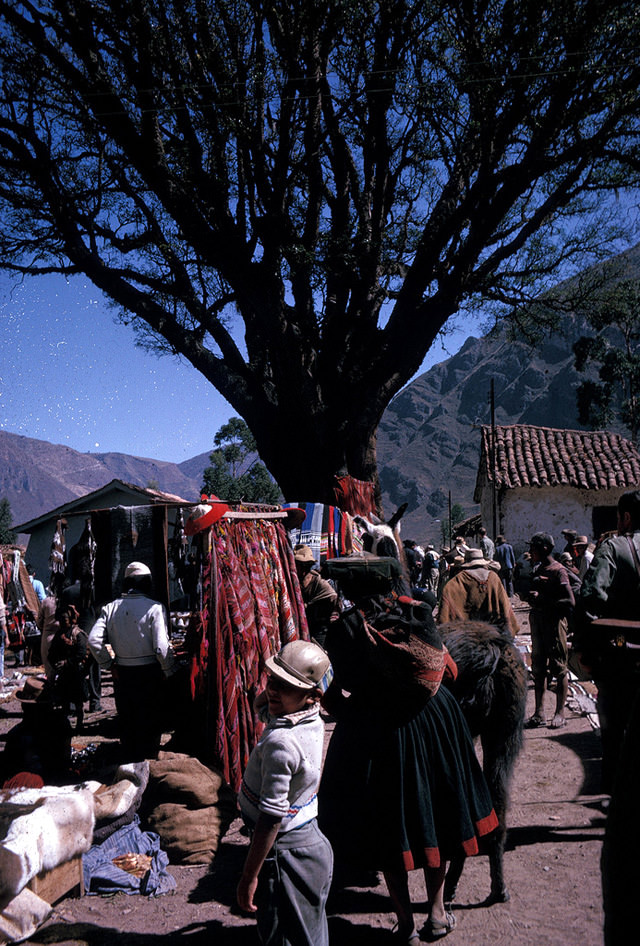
282 774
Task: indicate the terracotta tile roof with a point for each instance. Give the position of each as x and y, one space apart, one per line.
542 456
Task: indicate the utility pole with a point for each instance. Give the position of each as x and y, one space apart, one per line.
492 459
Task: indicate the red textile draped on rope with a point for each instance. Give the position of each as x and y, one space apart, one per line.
354 496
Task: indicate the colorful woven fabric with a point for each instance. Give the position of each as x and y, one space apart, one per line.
253 606
326 530
356 497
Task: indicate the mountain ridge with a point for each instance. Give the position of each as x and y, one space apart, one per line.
37 476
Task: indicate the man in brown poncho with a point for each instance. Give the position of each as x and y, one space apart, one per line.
475 593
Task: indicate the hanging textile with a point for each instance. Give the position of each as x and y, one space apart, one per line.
19 592
179 543
356 497
198 638
6 570
30 598
58 558
177 561
15 591
326 530
126 534
255 607
82 559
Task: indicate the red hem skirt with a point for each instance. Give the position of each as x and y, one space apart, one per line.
407 793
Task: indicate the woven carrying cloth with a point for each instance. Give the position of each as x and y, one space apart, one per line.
408 662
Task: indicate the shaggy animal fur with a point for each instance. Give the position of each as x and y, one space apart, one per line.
39 829
491 689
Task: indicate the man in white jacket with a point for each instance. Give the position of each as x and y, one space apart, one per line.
136 629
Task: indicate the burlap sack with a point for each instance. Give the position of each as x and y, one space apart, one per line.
189 806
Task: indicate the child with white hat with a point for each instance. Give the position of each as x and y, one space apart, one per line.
288 869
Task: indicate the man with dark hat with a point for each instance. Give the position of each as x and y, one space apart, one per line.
319 596
135 628
552 601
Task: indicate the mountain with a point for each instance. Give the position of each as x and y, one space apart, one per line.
429 437
36 476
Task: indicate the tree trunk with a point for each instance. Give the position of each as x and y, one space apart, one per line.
305 462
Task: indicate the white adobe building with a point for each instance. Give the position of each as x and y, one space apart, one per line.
546 480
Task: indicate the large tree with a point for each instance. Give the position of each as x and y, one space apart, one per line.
296 197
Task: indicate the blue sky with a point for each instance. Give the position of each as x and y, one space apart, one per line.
70 374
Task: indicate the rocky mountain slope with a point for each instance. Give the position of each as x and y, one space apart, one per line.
429 438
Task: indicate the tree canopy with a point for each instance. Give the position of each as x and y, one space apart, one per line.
297 197
614 348
236 474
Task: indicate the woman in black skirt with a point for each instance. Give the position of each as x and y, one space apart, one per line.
402 787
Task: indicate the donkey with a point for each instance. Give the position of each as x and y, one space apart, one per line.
491 689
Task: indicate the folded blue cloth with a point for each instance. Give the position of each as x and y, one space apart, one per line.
102 876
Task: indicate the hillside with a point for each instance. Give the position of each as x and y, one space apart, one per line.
36 476
429 438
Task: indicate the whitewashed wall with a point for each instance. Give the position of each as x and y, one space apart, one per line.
526 510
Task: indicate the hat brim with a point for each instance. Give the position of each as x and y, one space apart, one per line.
207 519
275 670
476 563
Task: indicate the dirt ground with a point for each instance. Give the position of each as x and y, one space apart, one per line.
556 827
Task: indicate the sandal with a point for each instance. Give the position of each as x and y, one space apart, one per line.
535 722
557 722
436 929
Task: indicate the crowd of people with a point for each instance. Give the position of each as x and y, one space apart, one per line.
481 583
401 756
387 752
583 600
